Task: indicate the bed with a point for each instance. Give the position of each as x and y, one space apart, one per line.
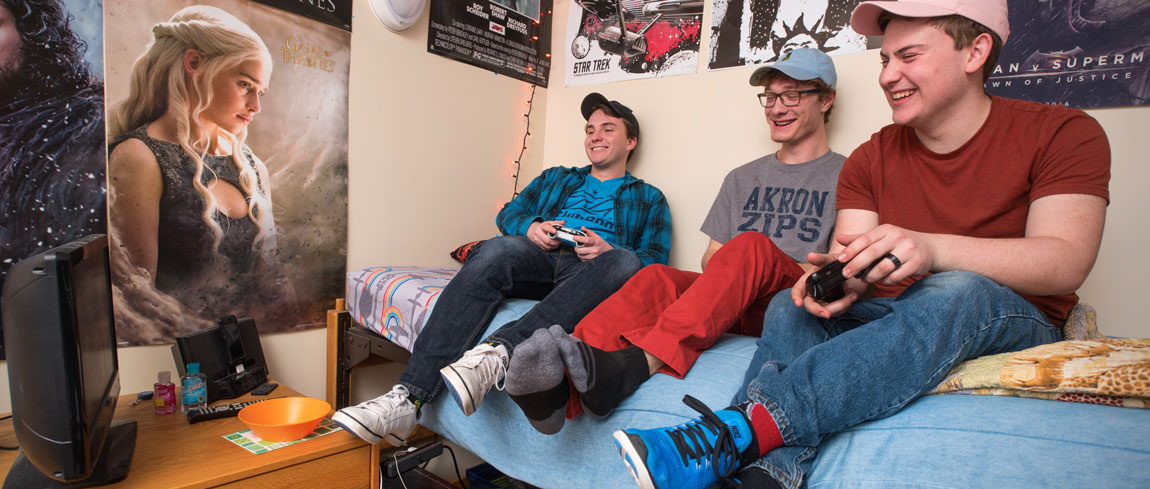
1020 435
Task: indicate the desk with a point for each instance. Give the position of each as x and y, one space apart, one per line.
171 453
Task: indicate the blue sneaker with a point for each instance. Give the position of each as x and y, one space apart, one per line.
693 455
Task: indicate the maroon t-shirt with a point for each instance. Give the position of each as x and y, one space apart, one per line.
1023 152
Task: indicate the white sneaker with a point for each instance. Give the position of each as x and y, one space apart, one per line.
390 416
470 377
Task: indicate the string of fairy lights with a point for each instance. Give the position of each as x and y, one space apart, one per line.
527 129
523 147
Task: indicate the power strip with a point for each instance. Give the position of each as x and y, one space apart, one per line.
406 460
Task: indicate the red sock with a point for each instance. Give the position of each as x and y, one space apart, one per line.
766 431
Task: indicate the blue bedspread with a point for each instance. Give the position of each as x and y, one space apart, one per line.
940 441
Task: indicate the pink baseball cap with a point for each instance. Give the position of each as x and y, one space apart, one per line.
990 13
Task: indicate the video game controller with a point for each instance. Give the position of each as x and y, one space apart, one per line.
567 235
826 284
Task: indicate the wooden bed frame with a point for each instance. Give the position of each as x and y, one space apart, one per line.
348 345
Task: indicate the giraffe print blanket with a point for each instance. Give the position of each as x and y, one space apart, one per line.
1086 367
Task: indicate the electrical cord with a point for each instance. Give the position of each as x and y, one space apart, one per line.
395 456
398 474
456 464
526 132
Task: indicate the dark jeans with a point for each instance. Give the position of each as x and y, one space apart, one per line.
510 267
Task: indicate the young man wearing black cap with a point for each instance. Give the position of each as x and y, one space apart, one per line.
625 223
767 216
977 218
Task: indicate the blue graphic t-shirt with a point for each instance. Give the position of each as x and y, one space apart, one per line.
593 206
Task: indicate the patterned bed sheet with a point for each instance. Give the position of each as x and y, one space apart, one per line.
395 301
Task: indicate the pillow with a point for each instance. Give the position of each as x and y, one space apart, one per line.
461 253
1105 371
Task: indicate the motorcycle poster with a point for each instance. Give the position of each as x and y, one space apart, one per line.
758 31
615 40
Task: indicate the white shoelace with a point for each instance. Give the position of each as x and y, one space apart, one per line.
497 375
399 393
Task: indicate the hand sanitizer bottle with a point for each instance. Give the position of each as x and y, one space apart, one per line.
164 397
194 388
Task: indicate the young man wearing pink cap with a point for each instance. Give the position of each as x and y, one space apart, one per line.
769 214
981 217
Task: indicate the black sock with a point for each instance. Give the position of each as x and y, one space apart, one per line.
757 478
603 378
536 382
545 409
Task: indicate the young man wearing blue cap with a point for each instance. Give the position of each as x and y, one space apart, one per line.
767 216
977 218
626 224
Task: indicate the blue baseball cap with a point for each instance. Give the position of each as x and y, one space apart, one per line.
801 64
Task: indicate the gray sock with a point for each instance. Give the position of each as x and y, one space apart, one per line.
577 358
536 382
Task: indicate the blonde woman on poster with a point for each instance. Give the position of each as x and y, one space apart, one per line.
190 203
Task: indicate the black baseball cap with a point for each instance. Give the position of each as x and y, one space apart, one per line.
596 99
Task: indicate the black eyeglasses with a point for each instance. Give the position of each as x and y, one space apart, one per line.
790 98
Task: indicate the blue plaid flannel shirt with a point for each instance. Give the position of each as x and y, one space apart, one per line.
642 216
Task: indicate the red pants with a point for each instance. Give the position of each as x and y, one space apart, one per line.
675 314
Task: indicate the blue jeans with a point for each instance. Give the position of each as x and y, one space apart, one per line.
820 376
510 266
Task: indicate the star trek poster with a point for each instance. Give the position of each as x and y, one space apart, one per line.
614 40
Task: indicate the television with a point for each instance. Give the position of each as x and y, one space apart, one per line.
63 371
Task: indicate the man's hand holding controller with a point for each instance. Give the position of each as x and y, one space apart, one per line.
567 235
826 283
540 233
550 234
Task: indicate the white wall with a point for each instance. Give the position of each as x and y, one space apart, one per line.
432 146
432 141
1116 285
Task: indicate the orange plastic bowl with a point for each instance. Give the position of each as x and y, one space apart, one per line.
285 418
